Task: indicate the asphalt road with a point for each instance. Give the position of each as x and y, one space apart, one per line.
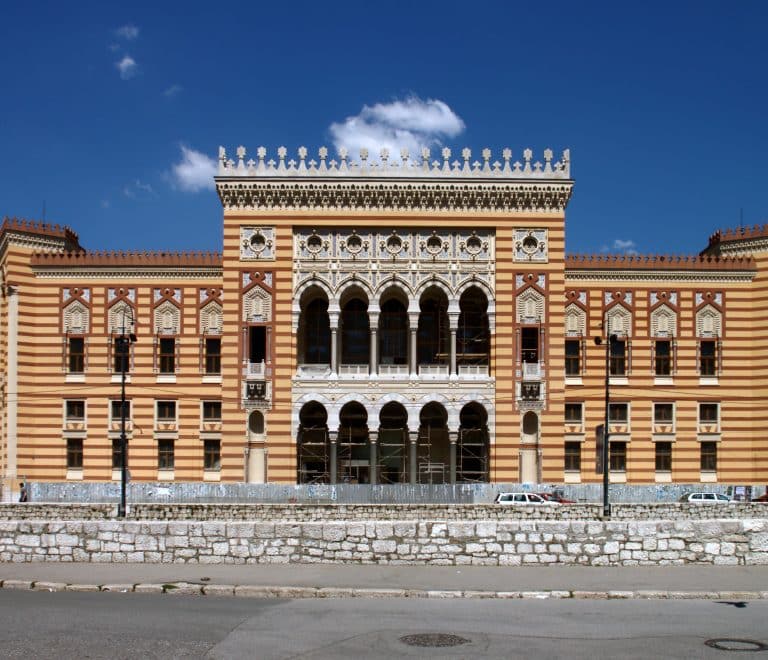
102 625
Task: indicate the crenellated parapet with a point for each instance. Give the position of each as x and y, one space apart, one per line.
396 183
37 235
121 265
127 258
741 240
658 266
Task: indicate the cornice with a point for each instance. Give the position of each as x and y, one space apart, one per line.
401 184
129 273
393 195
658 275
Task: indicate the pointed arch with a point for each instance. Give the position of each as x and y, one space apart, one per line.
575 321
663 322
709 322
211 318
77 318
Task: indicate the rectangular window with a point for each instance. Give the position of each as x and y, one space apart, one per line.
663 357
75 411
663 413
167 355
117 454
572 357
529 340
709 413
618 453
166 411
165 454
121 354
707 357
115 413
74 453
709 457
573 457
618 358
663 457
212 455
213 355
618 413
211 411
574 413
76 355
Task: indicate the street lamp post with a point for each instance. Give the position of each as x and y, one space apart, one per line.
124 342
606 433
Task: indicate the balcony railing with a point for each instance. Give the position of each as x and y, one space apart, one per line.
532 371
353 370
473 370
433 370
256 370
393 370
317 370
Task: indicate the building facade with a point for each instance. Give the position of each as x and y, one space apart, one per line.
392 321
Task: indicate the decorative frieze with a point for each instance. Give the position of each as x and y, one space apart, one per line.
343 184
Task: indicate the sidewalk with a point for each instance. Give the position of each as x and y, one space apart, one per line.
356 580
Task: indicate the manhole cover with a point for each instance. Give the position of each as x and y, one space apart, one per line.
736 645
433 639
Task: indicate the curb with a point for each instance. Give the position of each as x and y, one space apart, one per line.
290 592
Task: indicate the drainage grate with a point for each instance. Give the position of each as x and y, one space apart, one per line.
433 640
726 644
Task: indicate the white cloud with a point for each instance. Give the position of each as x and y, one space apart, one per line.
128 32
136 187
195 171
621 246
411 123
172 91
127 67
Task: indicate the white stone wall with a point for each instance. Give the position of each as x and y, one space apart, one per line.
510 543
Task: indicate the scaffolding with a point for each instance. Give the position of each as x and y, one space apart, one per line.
313 460
392 463
472 455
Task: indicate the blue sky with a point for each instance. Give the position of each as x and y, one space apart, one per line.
663 105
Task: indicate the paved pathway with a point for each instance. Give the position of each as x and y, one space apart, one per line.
355 580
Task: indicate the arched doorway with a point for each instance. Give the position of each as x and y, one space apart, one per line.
393 444
530 468
354 455
313 451
472 451
433 451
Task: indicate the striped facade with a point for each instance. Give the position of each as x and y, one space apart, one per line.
383 323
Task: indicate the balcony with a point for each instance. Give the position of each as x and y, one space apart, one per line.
532 371
256 370
473 370
393 370
353 370
433 371
316 370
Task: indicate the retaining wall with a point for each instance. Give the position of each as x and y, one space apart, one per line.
382 512
510 542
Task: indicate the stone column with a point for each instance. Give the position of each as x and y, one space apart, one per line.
453 373
413 352
413 437
333 437
373 437
453 437
373 369
333 322
453 325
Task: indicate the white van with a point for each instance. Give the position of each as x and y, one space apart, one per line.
520 498
708 498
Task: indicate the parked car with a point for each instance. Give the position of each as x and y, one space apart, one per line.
555 497
706 498
762 498
519 498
